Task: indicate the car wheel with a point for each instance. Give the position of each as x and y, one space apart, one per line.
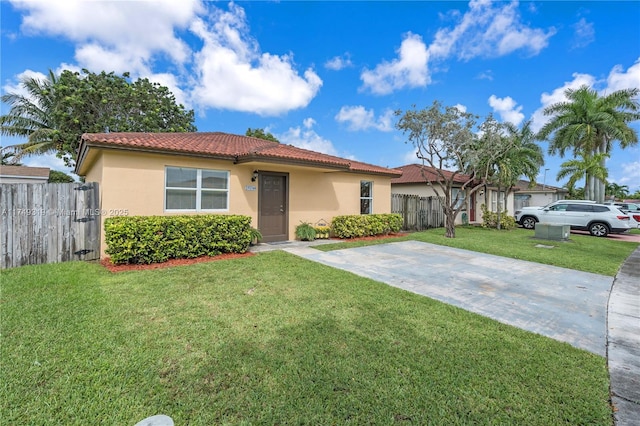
599 229
528 222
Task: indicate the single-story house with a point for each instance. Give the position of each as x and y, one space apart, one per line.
279 186
536 194
24 174
420 180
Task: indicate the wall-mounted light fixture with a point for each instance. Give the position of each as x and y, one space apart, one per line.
255 176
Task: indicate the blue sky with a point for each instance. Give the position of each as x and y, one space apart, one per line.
327 76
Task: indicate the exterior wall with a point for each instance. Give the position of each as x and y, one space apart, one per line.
133 184
12 179
486 199
419 189
543 198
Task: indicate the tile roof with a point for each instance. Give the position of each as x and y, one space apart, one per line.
413 173
24 171
523 185
224 145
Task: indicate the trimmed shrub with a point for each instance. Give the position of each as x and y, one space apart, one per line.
153 239
305 232
355 226
322 232
490 219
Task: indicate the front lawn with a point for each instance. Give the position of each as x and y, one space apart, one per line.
582 252
272 339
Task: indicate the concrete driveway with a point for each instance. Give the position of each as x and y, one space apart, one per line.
559 303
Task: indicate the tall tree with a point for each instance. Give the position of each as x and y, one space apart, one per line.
522 157
58 111
588 124
261 134
31 116
444 139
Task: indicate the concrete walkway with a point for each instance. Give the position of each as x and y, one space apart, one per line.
623 342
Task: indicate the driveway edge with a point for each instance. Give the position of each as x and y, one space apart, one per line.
623 342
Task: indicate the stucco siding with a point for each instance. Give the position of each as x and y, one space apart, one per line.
133 183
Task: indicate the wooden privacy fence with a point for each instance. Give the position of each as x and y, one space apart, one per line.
418 212
48 222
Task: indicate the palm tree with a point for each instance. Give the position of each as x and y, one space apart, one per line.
526 155
31 115
8 157
588 124
618 192
588 166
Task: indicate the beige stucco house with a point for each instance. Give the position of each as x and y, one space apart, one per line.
420 180
278 186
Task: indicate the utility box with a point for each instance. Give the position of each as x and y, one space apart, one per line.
552 231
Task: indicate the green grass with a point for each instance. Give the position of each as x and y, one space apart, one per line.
582 252
272 339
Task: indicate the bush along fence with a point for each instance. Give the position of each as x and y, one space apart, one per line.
48 223
417 212
355 226
154 239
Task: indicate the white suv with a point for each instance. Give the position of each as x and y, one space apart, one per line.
598 219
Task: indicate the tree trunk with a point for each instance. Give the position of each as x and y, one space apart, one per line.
450 224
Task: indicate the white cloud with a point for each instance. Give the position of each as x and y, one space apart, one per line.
460 107
339 62
409 69
234 75
307 138
557 95
48 160
618 79
584 33
631 175
14 86
120 30
410 157
308 122
507 109
359 118
488 30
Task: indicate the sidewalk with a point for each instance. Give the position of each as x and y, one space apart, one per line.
623 342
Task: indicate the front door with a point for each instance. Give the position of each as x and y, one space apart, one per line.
273 210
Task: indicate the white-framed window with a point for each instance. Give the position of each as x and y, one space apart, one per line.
366 197
497 201
188 189
460 194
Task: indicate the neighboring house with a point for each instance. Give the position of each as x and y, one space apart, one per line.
536 195
279 186
24 174
420 180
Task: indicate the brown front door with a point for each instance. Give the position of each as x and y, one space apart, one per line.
472 208
273 210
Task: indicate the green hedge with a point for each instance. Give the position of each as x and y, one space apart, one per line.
153 239
366 225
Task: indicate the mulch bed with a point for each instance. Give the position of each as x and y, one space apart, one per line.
106 262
